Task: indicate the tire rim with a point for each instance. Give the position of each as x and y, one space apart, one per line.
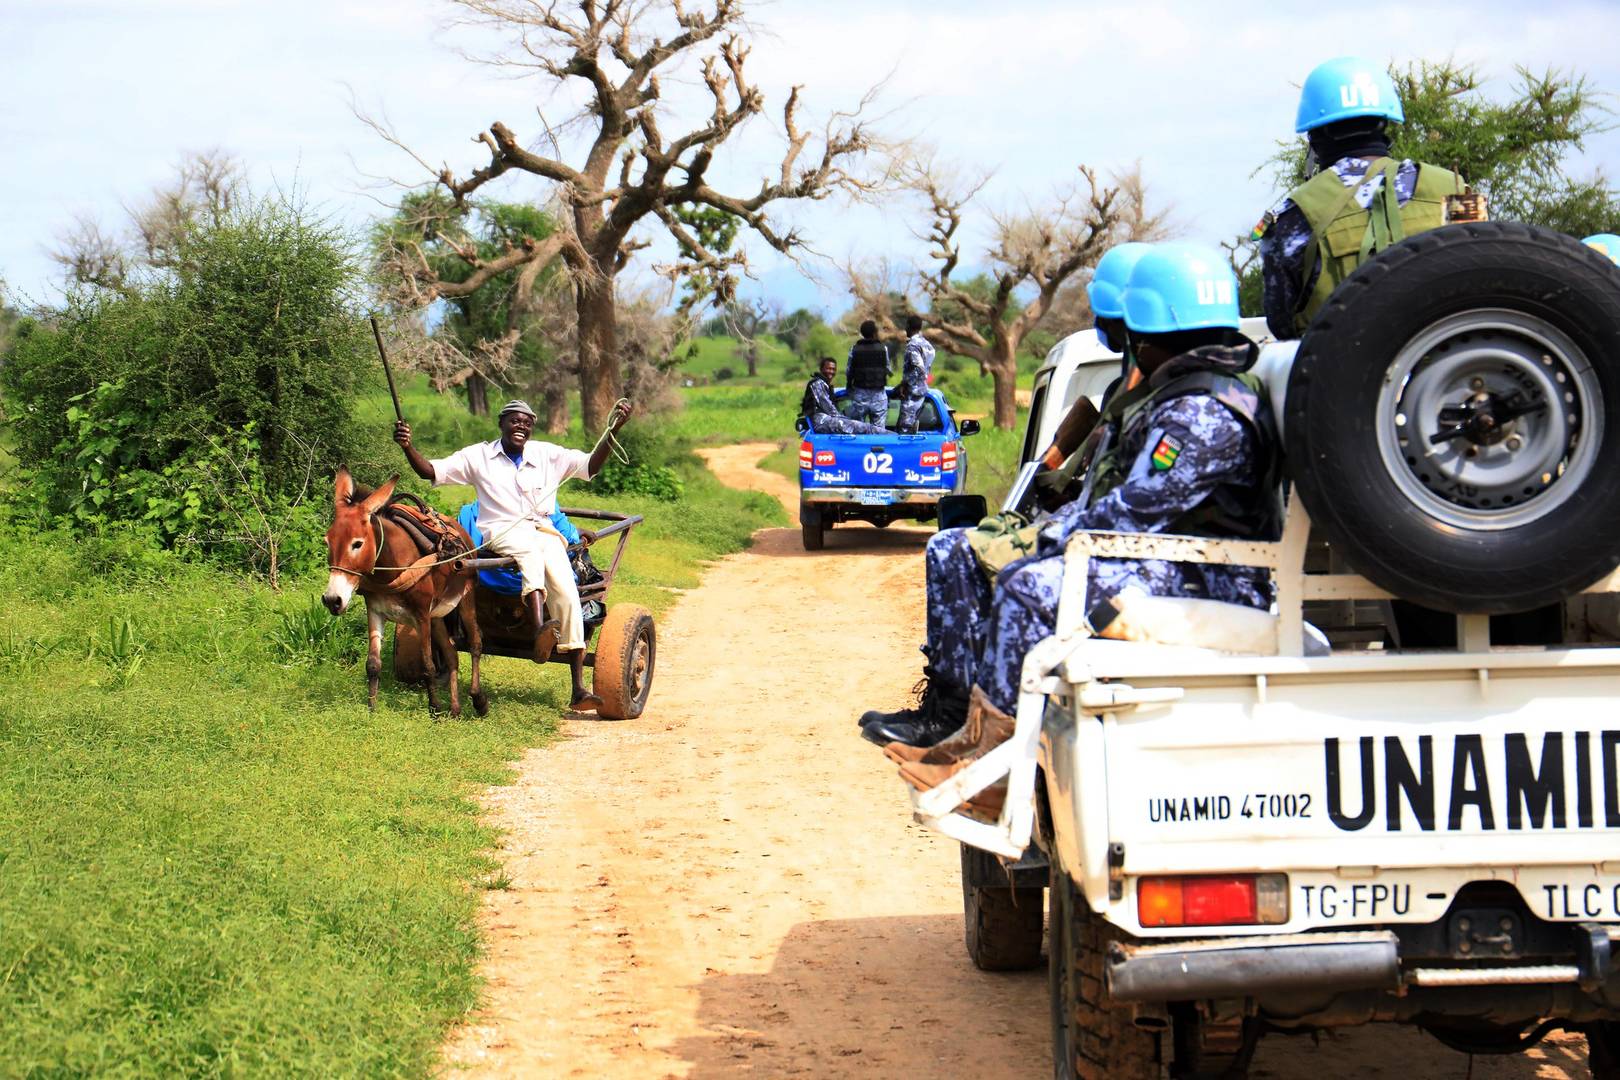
1490 419
640 666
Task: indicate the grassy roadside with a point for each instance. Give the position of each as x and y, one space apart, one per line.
213 858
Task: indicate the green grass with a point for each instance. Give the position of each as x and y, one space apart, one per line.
213 858
702 360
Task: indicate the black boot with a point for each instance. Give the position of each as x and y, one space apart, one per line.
942 711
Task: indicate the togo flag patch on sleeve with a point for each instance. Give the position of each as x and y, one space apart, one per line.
1166 453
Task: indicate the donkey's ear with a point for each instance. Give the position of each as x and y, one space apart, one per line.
379 498
344 490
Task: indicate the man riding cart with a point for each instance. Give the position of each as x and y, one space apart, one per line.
517 479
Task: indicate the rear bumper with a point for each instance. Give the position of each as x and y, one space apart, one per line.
1249 966
1330 963
899 496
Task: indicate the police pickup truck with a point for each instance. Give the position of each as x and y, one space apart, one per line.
1399 799
881 478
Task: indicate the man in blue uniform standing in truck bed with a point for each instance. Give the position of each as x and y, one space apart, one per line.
867 377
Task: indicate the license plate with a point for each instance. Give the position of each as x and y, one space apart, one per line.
880 497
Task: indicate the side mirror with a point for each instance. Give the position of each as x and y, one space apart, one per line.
802 424
969 427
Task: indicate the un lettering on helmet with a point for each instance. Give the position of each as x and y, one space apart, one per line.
1360 91
1213 291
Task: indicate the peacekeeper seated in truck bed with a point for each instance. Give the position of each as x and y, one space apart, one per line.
1195 454
819 408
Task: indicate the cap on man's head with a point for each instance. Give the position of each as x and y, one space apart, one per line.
516 406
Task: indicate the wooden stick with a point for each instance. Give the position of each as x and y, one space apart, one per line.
382 352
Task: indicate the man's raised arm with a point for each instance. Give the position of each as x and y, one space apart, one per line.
599 455
419 464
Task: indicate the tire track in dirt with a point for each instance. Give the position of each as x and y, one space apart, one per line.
730 885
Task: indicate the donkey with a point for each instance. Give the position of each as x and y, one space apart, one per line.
371 554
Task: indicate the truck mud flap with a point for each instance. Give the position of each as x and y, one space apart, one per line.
1191 970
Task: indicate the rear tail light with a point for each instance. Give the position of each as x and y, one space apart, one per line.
947 457
806 455
1213 900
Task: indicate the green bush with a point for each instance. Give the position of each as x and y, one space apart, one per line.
204 400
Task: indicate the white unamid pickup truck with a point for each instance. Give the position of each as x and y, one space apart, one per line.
1405 804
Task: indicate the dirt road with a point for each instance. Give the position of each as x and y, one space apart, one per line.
730 886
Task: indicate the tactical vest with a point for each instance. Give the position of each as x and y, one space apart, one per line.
868 366
1234 511
1344 235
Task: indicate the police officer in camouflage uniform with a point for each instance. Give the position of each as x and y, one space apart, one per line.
958 572
1196 454
914 372
1325 228
867 376
818 407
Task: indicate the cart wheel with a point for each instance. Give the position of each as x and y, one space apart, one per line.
626 650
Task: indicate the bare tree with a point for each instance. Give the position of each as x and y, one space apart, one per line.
1033 255
748 321
629 168
206 185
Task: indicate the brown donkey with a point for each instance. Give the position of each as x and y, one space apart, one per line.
371 553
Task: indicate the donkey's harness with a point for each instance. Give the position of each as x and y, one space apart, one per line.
437 539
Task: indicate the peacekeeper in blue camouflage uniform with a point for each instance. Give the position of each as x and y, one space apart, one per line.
818 406
914 372
956 578
867 376
1197 454
1325 228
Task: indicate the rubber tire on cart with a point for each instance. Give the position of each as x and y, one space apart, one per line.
1003 926
1092 1039
812 528
1520 511
626 654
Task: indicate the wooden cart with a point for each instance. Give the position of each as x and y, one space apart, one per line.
625 641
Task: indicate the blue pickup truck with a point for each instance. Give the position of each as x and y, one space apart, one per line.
881 478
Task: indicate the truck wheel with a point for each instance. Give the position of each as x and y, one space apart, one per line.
626 652
812 528
1603 1050
1451 414
1003 926
1092 1039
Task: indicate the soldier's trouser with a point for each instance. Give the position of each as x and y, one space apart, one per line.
829 424
1023 612
542 559
871 406
912 396
958 598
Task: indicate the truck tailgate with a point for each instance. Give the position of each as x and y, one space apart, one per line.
1381 784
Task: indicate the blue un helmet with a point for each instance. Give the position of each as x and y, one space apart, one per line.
1606 243
1346 88
1108 282
1176 287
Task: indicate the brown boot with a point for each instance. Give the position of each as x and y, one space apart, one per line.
987 727
965 736
986 805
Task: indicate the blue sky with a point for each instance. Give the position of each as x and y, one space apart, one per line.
99 99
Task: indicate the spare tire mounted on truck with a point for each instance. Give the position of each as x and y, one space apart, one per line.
1453 413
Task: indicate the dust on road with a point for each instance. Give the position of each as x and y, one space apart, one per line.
730 885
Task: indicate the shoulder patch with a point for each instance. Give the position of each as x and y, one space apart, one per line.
1166 453
1263 226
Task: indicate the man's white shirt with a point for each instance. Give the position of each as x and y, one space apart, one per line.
509 492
